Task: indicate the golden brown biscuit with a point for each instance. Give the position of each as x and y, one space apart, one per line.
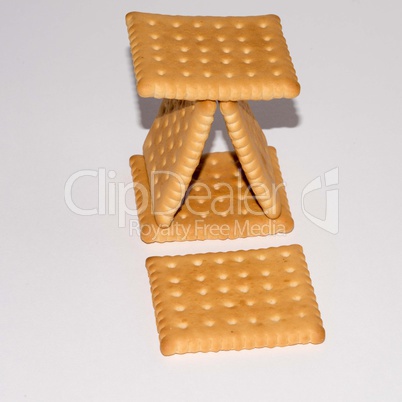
234 300
219 58
219 203
172 151
251 148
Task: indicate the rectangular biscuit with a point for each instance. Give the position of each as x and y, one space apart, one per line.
172 151
208 57
251 148
234 300
219 203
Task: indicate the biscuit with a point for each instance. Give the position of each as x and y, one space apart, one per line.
250 145
172 151
219 58
219 203
234 300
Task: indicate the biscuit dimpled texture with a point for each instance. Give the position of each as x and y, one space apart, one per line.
172 151
234 300
217 58
219 203
251 148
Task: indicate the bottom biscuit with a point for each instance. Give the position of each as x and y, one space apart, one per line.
219 203
234 300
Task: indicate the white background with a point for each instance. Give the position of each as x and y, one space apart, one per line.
76 318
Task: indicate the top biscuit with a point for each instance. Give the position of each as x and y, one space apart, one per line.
215 58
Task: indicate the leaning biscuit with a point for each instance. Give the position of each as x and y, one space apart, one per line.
220 58
172 151
234 300
251 148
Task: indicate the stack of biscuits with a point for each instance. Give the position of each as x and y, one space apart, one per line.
227 300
